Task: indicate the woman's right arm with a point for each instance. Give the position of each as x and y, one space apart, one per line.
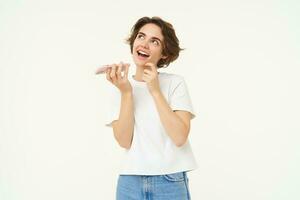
124 126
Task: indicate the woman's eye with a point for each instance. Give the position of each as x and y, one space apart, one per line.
140 36
155 42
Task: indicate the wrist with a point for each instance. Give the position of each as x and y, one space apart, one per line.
156 93
126 93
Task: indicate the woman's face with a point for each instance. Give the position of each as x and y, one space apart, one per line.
148 45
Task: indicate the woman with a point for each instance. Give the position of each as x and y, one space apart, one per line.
150 117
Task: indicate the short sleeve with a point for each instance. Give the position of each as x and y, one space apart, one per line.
113 107
180 98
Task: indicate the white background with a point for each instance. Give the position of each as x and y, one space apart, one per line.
241 65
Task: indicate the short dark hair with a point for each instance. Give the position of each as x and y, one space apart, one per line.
170 47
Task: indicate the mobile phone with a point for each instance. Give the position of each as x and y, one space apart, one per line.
102 69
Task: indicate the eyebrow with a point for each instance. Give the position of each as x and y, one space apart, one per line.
152 37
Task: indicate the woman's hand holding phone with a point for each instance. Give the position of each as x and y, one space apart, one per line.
115 76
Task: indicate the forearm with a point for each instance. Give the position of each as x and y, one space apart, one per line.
174 126
123 128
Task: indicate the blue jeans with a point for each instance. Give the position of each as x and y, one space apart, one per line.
156 187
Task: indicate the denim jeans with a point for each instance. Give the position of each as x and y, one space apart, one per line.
173 186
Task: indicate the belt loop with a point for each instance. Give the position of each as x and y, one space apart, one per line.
184 174
187 185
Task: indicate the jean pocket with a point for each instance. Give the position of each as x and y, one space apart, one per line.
174 177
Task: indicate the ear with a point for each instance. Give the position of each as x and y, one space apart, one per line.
164 57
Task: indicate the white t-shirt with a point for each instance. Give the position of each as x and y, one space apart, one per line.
152 151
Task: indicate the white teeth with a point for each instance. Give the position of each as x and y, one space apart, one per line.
144 53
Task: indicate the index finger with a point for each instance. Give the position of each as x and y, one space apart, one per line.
126 70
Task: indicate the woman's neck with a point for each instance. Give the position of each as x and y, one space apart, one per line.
139 73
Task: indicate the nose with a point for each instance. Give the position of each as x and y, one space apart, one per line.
145 44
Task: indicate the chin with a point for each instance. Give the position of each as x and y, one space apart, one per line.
139 63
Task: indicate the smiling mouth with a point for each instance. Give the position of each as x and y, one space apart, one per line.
143 54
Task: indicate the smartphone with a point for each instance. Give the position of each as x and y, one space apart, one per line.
102 69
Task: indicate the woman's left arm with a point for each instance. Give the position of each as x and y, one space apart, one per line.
176 123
